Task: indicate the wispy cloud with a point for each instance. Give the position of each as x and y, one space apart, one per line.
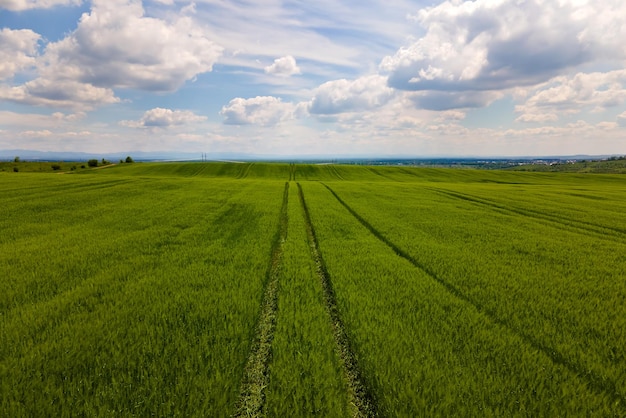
20 5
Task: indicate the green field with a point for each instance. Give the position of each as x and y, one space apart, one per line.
257 289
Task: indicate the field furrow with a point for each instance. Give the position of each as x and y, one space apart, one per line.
51 189
602 231
361 397
306 377
245 170
256 377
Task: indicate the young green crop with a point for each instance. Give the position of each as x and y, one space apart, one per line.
424 350
132 297
221 170
305 374
135 290
557 285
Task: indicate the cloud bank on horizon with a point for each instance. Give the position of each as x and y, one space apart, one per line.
483 77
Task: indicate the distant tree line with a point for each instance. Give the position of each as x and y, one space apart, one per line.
95 163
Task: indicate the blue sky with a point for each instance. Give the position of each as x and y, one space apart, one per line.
373 77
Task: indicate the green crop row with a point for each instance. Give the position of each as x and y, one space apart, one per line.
305 374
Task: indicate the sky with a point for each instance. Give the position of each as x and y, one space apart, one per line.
325 77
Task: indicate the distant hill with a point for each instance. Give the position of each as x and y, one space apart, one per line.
30 155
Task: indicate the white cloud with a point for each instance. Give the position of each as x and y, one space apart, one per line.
163 118
450 115
607 126
621 119
570 95
343 95
189 9
32 120
114 46
260 110
538 117
18 50
59 93
448 100
20 5
117 46
284 67
36 134
495 45
580 128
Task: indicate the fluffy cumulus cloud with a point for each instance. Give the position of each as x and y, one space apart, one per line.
19 5
497 44
114 46
164 118
569 95
117 46
18 50
260 110
343 95
284 67
59 93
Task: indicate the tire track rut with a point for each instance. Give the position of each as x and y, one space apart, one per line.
360 397
256 373
560 222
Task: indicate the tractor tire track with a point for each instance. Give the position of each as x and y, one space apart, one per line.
336 172
256 373
360 397
378 173
245 171
292 172
596 383
560 222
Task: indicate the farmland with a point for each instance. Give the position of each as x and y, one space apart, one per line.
227 289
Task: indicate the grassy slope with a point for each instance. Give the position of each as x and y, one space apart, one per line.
85 257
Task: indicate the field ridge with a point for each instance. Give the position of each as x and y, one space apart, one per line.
256 376
360 397
598 384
